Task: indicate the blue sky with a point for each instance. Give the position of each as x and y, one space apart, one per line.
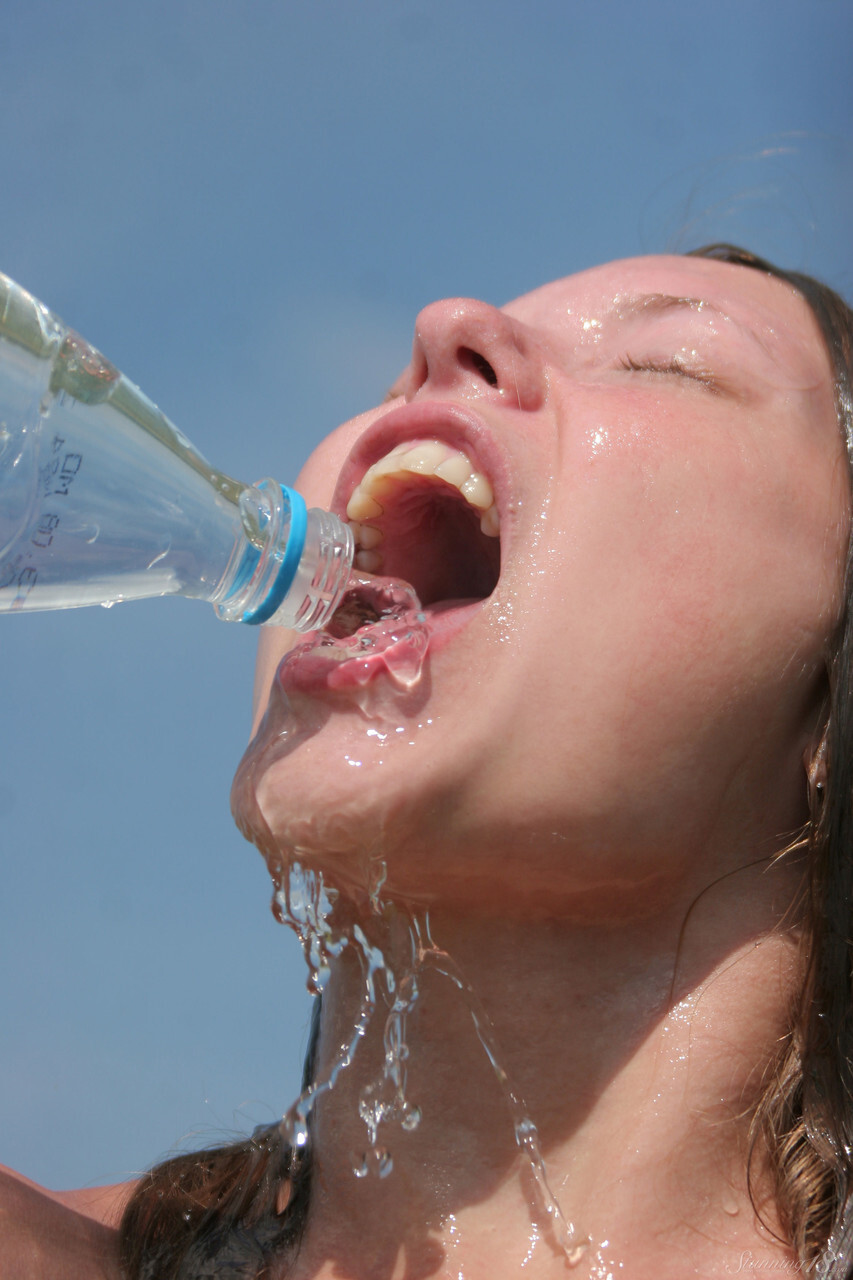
244 205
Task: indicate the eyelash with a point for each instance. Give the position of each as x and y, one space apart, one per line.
670 366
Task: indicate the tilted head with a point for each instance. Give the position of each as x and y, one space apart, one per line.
623 683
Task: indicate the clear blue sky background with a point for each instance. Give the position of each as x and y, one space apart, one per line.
244 205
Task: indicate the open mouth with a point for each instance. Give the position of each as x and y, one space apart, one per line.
423 514
426 530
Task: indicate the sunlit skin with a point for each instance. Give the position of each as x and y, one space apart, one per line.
616 738
654 649
585 790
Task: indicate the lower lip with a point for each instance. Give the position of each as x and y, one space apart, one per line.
393 650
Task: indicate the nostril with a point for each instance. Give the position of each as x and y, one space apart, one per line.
470 359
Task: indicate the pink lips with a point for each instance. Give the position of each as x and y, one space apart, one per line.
395 647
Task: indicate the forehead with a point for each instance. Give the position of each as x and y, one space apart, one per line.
768 308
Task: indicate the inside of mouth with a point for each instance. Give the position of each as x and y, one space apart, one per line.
356 610
432 541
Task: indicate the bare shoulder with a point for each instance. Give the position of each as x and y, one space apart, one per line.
42 1230
102 1204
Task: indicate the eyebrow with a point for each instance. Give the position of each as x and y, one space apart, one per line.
656 303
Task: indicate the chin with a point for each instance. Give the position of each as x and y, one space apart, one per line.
325 784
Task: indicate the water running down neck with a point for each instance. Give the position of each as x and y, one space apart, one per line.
302 900
304 903
396 644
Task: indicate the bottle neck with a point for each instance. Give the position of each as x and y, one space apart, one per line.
290 566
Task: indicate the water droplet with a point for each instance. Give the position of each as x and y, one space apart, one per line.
525 1130
296 1132
411 1118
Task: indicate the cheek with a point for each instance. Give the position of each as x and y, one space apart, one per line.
684 595
694 519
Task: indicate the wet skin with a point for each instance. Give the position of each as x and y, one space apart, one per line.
622 722
639 689
588 783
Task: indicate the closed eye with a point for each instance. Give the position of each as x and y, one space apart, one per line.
672 366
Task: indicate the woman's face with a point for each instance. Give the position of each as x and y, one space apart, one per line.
631 696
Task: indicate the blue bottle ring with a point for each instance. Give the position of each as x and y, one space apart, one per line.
289 562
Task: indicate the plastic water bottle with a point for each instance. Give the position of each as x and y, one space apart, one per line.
102 499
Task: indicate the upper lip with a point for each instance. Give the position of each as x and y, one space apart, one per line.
454 424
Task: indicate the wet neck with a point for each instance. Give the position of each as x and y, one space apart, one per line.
631 1046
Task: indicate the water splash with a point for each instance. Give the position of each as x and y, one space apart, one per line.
380 628
306 905
303 901
384 1099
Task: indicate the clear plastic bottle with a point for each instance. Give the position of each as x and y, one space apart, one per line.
102 499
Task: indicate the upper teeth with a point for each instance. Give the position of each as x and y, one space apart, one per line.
423 458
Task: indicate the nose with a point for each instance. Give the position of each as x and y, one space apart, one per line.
472 349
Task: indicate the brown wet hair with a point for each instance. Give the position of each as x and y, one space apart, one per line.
803 1125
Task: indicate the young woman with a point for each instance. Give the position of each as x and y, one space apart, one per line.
566 834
